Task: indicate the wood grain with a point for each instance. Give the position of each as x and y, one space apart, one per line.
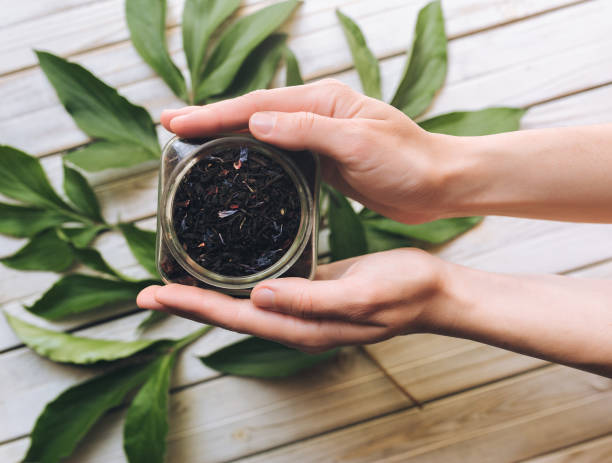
503 422
593 451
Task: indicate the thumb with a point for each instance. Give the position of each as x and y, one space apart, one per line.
304 298
304 131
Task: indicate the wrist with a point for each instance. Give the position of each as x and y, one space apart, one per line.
465 175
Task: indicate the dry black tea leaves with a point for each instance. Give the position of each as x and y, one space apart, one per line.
236 212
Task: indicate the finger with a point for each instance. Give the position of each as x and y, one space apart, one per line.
242 316
335 270
322 98
146 298
298 297
168 114
308 131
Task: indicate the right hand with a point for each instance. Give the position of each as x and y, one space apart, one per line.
371 151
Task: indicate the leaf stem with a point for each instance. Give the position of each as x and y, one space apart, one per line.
192 337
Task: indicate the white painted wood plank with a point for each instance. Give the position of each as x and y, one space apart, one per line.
78 26
29 100
74 28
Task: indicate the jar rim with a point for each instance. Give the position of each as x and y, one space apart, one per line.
290 256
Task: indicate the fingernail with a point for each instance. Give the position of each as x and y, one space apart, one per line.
263 298
263 122
175 122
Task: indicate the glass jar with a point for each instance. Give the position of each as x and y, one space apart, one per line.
178 263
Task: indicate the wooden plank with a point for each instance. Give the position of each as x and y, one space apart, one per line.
596 450
80 26
212 422
503 422
73 28
30 102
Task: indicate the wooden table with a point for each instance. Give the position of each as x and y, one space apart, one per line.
481 404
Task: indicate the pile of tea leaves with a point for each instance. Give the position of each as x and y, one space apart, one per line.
236 212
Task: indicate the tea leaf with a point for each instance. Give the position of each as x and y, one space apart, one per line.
25 222
260 358
94 260
236 43
45 251
258 69
66 348
146 423
74 294
24 179
67 419
109 154
347 236
473 123
363 58
426 68
146 20
201 18
142 244
100 111
293 75
81 194
82 236
437 232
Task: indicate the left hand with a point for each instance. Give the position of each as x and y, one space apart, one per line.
355 301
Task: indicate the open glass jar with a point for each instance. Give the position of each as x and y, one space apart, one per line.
233 211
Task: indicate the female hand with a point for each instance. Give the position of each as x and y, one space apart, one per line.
372 151
356 301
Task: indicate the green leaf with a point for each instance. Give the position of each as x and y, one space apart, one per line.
426 68
24 179
94 260
152 319
437 232
293 74
236 43
109 154
97 108
45 251
63 347
379 241
201 18
67 419
146 423
81 194
260 358
25 222
142 244
473 123
363 58
146 21
82 236
258 69
347 236
75 294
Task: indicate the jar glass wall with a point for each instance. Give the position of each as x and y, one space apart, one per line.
298 172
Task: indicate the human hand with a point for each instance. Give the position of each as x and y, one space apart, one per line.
372 151
355 301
